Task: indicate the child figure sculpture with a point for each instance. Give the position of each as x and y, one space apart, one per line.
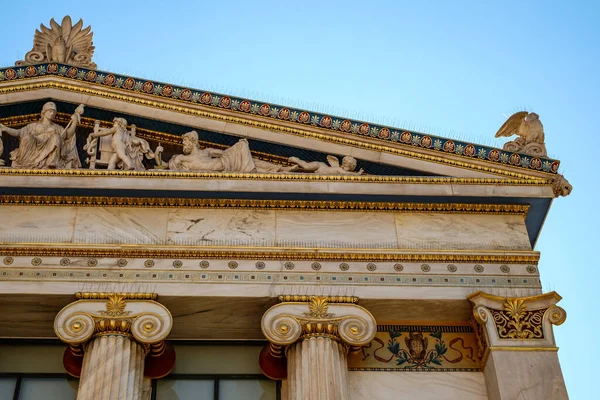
334 168
119 140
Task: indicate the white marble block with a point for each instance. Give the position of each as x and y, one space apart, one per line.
120 225
221 227
336 229
524 375
438 231
37 224
369 385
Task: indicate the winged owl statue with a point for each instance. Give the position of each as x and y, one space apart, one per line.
530 130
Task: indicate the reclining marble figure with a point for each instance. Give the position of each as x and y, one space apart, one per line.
236 158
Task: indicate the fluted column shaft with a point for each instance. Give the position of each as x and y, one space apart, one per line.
317 369
113 369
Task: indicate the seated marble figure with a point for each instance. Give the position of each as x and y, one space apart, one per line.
45 144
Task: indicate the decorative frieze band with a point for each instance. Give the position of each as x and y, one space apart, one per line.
428 348
102 276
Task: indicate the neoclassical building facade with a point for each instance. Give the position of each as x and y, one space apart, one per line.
164 242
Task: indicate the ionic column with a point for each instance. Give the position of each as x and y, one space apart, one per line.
518 348
314 334
116 342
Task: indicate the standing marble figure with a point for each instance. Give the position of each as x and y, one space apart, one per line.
45 144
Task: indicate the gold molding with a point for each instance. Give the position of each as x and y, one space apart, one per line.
318 205
514 348
257 123
299 254
501 299
295 298
106 295
275 177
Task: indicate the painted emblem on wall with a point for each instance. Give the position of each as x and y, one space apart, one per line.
419 348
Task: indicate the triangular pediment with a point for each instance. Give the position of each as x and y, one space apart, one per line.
162 112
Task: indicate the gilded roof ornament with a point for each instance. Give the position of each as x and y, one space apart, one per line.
64 43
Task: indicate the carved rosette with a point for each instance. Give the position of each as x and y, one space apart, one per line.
135 316
301 317
517 323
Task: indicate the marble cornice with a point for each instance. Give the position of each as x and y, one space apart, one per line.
277 177
316 205
88 88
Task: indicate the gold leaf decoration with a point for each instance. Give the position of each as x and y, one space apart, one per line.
115 305
515 308
318 306
516 322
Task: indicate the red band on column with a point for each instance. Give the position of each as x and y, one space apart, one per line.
160 364
273 367
73 361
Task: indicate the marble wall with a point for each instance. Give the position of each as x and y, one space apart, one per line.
367 385
524 375
200 227
467 231
263 228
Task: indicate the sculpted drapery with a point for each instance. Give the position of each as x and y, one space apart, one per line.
236 158
44 144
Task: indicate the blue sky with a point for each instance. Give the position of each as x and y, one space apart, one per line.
448 68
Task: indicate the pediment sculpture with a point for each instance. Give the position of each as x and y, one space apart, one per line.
45 144
64 43
347 167
118 147
530 130
236 158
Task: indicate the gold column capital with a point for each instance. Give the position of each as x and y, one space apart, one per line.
136 315
299 317
517 323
